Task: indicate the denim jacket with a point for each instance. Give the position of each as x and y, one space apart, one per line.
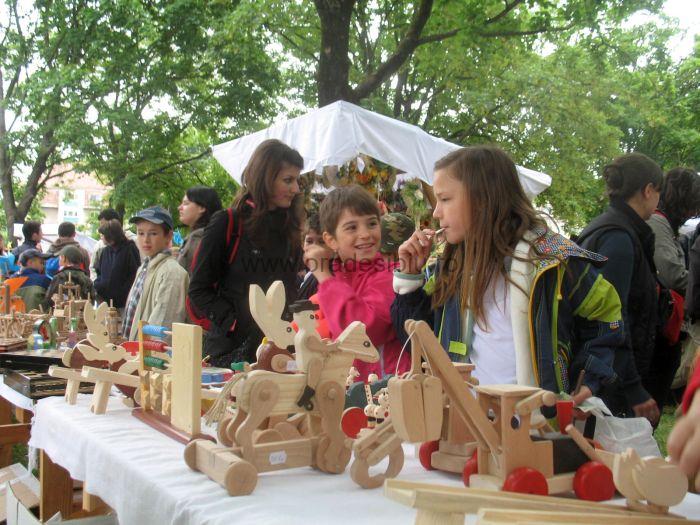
573 315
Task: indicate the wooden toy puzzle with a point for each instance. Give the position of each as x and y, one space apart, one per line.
261 435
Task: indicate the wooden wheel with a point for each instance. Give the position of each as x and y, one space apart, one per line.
593 481
425 453
526 480
331 465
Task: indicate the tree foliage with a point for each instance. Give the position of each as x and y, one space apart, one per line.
136 91
131 91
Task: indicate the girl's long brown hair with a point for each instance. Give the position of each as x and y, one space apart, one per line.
498 214
258 177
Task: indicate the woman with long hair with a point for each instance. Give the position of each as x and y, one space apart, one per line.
256 241
196 209
507 294
679 201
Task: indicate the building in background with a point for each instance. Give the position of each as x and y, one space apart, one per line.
72 197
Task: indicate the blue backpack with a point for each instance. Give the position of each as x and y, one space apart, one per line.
51 268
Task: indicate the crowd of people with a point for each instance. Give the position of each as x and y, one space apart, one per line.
601 315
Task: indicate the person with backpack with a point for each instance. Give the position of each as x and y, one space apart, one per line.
71 262
256 241
198 205
66 237
621 234
680 200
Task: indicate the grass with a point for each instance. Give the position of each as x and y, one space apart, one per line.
668 418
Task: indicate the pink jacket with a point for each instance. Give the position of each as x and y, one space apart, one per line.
364 292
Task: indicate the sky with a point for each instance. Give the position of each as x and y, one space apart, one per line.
688 14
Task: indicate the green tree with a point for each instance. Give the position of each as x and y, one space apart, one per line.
120 88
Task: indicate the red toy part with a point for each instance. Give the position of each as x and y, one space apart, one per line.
471 467
131 346
565 413
593 481
525 480
321 322
425 453
353 420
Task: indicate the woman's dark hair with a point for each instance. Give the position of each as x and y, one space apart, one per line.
113 232
680 196
352 197
628 174
258 178
2 248
208 199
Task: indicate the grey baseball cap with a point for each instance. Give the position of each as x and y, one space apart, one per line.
154 214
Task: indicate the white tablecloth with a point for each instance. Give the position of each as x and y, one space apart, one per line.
142 475
14 397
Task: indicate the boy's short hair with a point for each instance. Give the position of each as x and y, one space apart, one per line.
108 214
29 228
156 215
71 254
313 222
353 197
66 229
396 229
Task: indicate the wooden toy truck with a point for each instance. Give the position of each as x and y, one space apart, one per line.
508 457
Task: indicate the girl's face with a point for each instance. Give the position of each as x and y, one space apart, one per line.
190 212
452 206
285 187
357 237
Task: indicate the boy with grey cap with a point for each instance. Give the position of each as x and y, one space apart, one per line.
160 287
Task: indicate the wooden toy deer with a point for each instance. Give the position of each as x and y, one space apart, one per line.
316 392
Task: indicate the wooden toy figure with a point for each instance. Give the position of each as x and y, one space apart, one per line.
315 393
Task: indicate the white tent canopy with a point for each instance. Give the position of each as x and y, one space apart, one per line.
334 134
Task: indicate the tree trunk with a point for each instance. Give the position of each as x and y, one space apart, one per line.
334 62
8 194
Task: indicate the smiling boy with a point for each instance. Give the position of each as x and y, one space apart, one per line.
160 288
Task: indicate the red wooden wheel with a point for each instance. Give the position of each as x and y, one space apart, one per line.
593 481
471 467
354 420
526 480
425 453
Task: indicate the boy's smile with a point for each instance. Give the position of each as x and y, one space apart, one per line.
356 237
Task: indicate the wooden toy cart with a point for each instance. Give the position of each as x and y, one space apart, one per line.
261 432
508 456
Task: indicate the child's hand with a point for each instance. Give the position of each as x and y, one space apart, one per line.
414 252
684 441
317 258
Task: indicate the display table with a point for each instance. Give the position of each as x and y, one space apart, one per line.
141 474
13 403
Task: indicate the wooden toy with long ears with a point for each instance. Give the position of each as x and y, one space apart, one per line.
316 392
